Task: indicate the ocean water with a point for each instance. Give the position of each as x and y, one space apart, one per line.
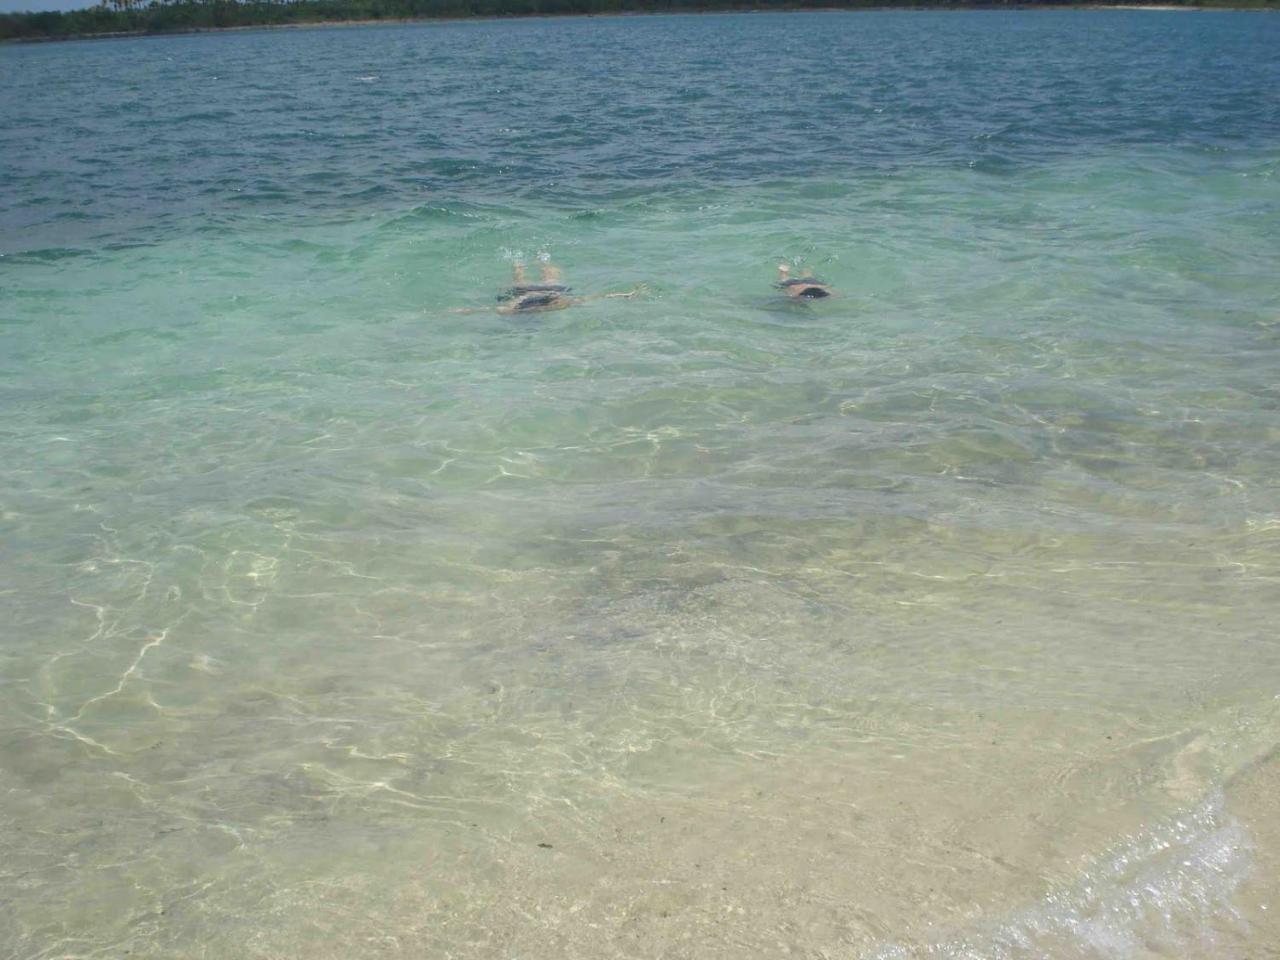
343 616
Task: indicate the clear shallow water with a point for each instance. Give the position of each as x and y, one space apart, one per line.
933 620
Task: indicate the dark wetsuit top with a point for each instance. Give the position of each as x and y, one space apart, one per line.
523 289
534 300
814 289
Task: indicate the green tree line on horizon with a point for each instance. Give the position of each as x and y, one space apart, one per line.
134 17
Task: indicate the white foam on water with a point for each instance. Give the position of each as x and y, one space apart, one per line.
1164 892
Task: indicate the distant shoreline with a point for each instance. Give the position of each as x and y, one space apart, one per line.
940 5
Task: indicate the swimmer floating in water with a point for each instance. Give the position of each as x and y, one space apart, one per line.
549 294
805 287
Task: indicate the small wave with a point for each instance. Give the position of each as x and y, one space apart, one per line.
429 212
205 115
368 193
1159 893
46 255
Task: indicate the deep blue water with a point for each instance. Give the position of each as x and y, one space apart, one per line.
124 142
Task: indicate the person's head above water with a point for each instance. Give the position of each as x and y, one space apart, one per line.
806 287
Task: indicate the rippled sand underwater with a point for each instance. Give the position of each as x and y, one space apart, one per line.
936 620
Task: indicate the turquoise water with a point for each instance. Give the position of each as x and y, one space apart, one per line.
933 620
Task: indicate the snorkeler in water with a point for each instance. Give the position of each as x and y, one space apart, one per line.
523 296
548 294
805 286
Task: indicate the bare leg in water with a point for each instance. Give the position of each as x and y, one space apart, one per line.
550 273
